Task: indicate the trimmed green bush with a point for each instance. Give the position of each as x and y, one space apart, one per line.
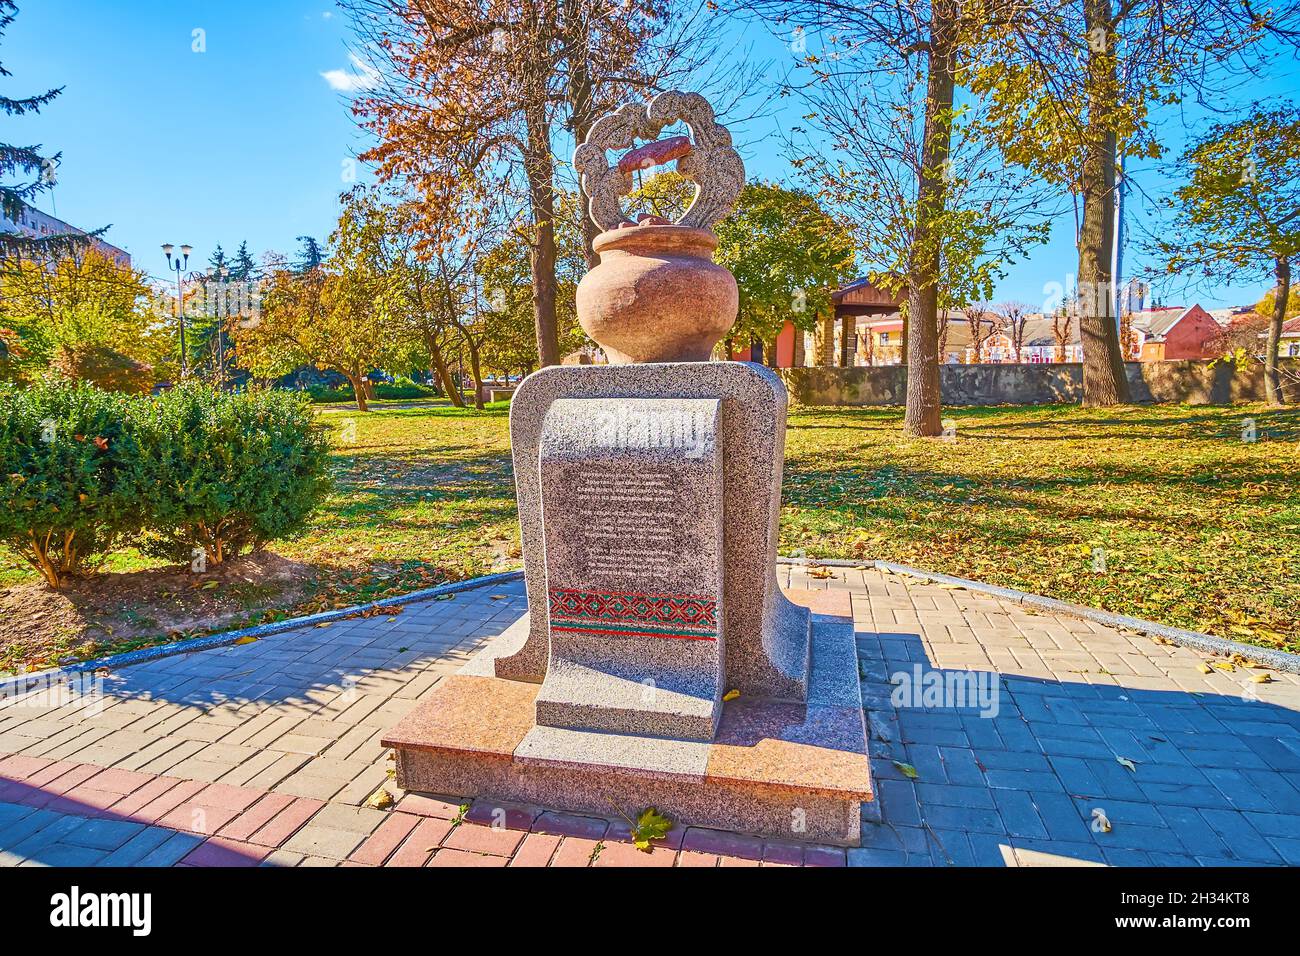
67 465
226 472
402 388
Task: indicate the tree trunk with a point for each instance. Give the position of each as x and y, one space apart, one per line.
921 416
538 166
1272 374
359 392
444 373
476 369
1104 381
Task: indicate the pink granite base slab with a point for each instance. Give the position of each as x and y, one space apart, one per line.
486 716
776 769
779 814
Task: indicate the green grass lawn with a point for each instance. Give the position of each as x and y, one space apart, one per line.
1198 528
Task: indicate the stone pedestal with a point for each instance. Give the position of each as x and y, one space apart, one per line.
648 496
767 637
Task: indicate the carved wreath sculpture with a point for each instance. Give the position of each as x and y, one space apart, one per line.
709 161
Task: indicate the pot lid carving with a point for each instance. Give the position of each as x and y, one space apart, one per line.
706 158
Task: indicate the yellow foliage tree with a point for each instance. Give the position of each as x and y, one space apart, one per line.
80 312
333 316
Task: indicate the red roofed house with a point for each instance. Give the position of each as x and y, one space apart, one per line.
1175 333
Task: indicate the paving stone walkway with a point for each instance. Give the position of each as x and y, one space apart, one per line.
266 753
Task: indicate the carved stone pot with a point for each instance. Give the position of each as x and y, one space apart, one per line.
657 295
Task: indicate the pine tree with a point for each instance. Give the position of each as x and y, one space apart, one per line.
34 172
311 257
244 268
218 261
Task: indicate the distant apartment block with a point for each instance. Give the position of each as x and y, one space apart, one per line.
38 225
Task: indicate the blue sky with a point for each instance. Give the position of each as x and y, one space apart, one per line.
243 141
249 140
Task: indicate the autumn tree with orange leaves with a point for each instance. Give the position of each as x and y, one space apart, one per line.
472 103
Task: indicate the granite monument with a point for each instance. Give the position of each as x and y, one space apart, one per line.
660 661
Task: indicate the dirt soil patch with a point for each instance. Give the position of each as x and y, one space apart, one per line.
43 628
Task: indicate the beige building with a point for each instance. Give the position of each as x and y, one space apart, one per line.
33 223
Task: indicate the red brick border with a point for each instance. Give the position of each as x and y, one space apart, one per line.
242 826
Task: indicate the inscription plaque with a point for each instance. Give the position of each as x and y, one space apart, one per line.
632 510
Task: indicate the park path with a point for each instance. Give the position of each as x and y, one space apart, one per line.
267 752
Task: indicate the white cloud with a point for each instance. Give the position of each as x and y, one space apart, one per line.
362 76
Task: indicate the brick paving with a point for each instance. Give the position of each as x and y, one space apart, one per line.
266 753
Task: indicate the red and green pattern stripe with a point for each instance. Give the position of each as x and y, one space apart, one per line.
678 616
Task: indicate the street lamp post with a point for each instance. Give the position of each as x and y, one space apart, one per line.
221 327
177 264
221 311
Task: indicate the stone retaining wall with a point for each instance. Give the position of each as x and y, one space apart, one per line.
1193 382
